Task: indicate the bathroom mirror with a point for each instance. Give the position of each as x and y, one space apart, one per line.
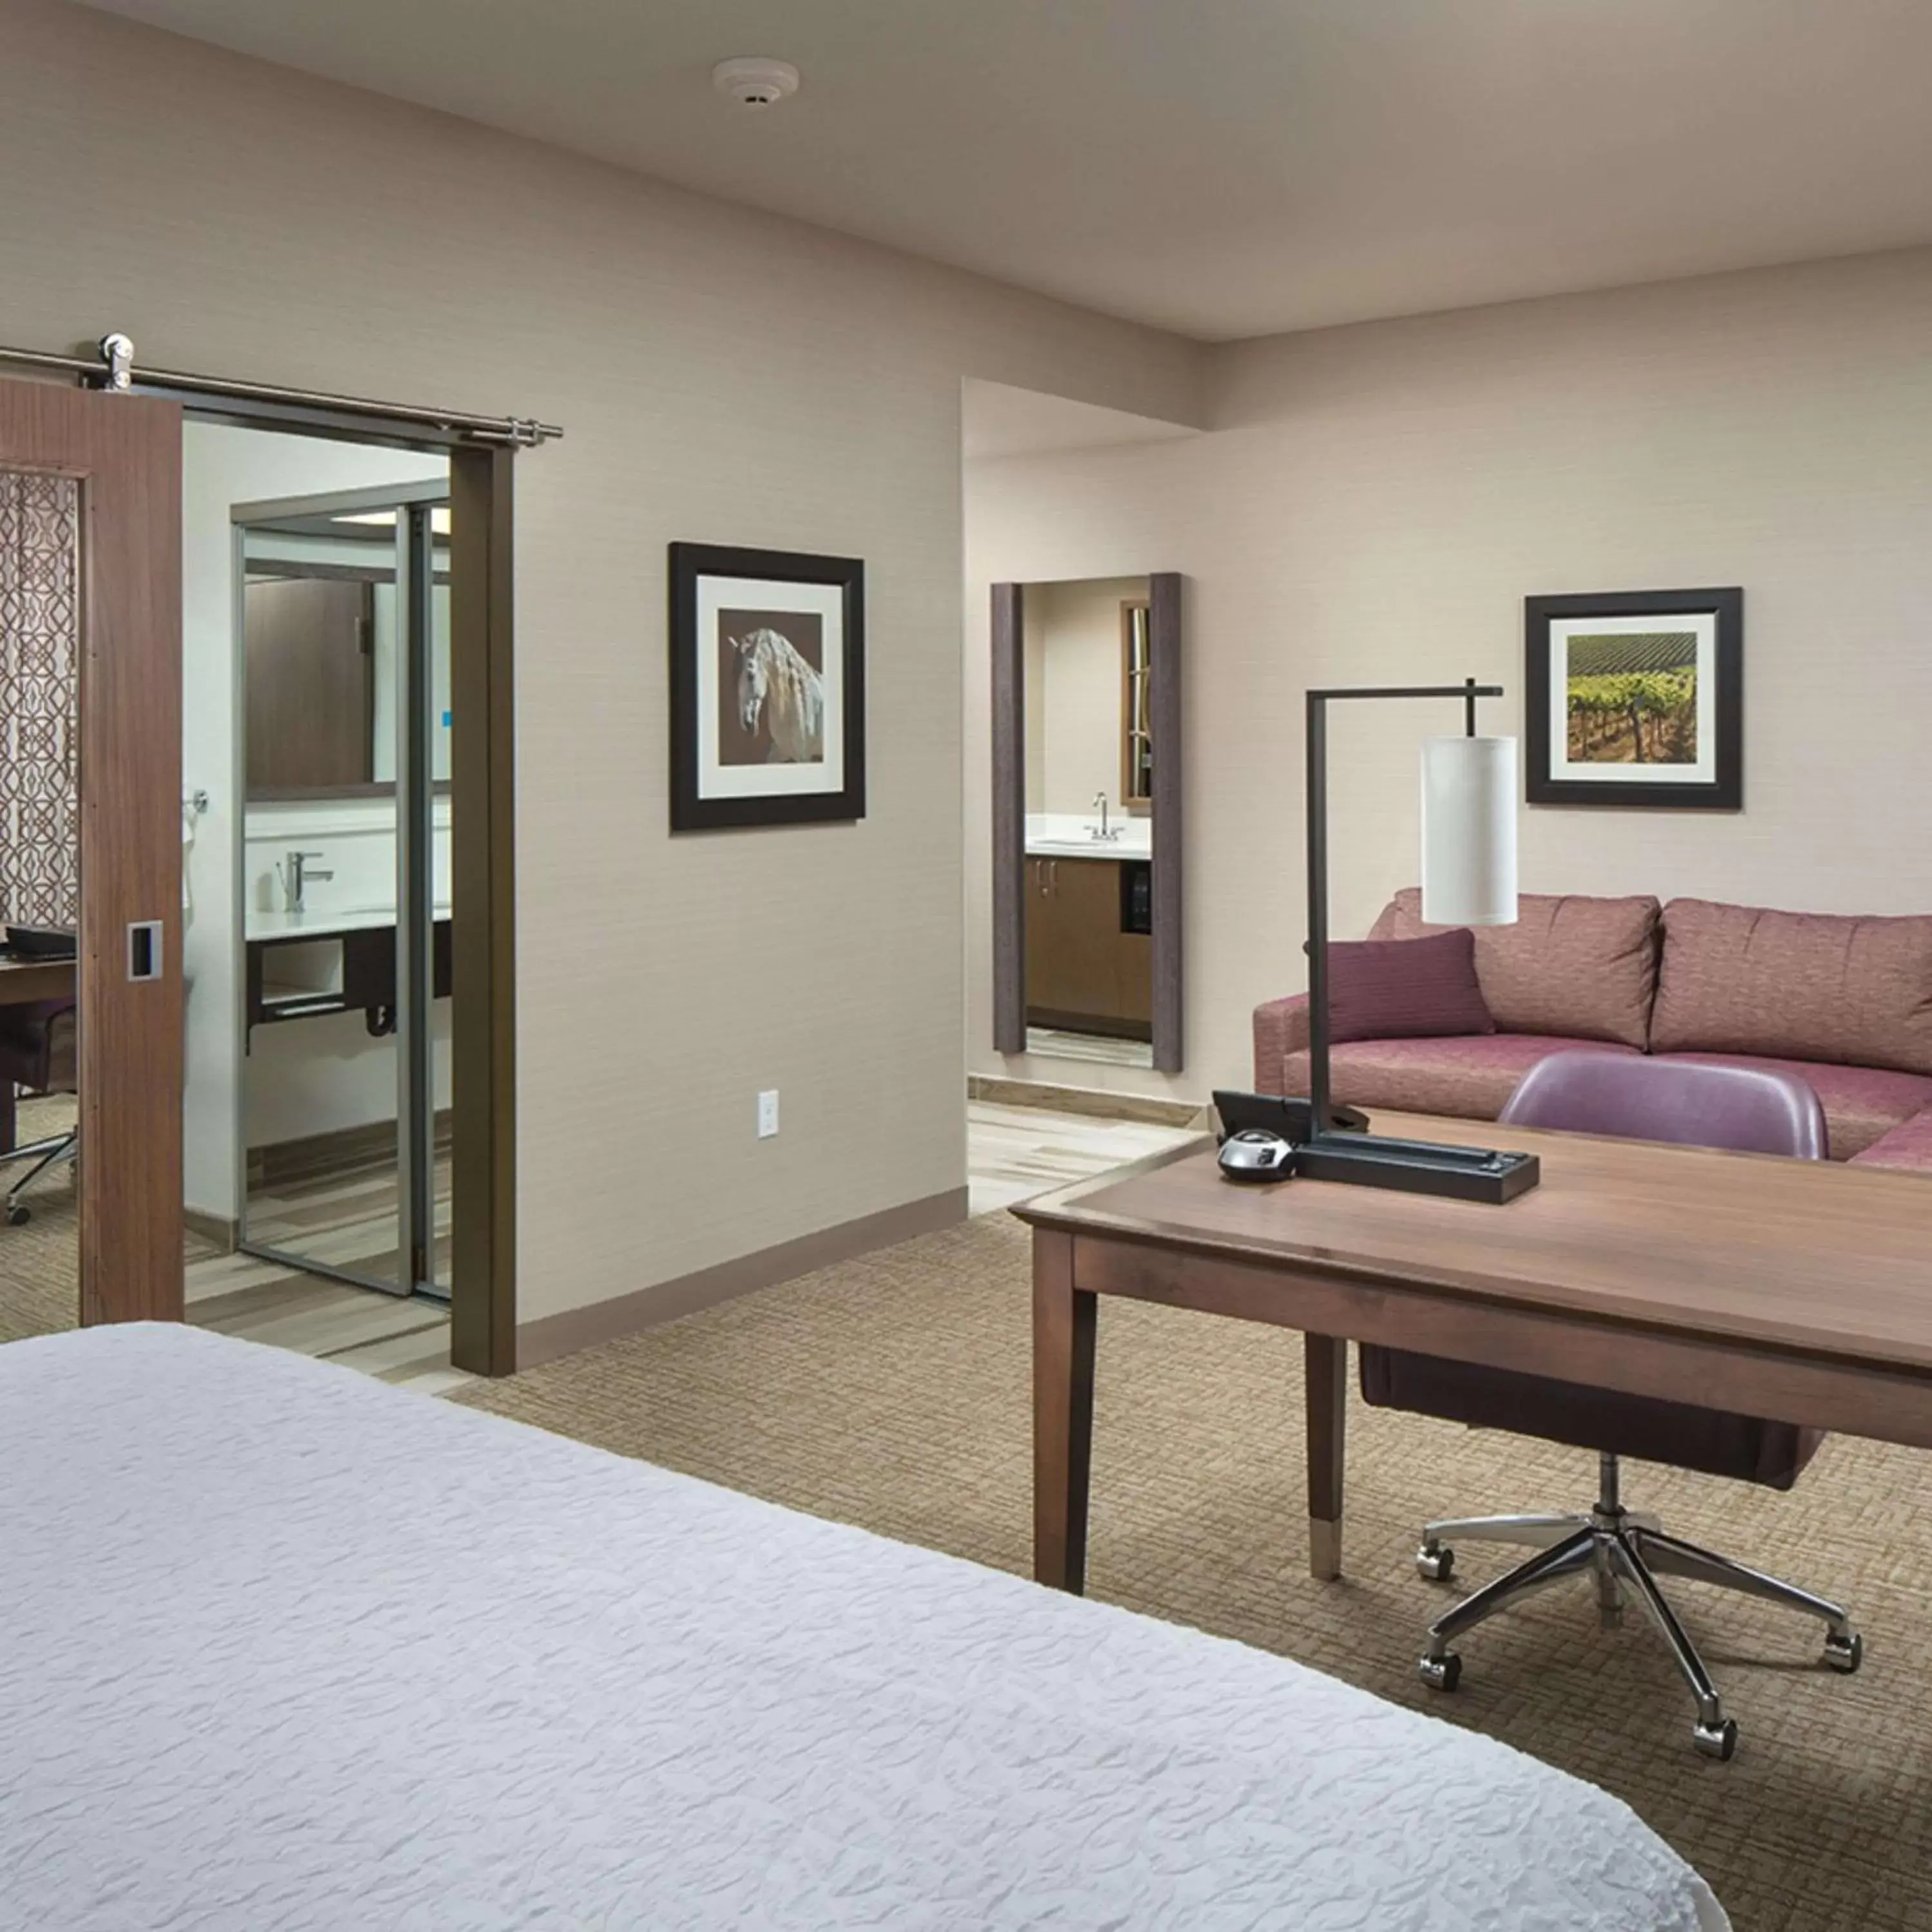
345 963
1086 831
320 626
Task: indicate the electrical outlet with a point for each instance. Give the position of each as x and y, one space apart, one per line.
768 1113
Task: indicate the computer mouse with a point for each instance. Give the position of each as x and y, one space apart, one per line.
1255 1154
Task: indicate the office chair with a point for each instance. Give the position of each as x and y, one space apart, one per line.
1630 1097
36 1052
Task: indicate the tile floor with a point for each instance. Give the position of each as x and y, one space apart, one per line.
1096 1049
349 1220
1016 1152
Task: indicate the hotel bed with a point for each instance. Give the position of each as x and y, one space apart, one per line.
281 1648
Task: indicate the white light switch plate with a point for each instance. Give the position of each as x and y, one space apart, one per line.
768 1114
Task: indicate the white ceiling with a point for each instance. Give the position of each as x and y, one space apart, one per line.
997 420
1224 168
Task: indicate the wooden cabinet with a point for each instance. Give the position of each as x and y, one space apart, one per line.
1083 973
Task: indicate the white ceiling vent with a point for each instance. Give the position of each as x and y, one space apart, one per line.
756 84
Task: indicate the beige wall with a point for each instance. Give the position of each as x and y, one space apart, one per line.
1374 503
1073 692
723 376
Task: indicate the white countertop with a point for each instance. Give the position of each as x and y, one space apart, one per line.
1069 835
320 923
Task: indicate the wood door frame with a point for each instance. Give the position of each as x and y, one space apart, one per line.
125 452
1166 599
481 787
483 860
1166 675
1010 896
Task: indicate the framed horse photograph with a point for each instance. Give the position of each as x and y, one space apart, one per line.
767 688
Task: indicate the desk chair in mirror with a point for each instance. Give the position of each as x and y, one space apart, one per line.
37 1052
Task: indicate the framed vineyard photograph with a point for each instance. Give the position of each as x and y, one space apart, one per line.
1636 698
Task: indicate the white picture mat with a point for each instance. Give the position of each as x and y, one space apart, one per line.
827 601
1703 625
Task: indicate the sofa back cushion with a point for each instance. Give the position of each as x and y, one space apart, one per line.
1396 989
1572 967
1796 986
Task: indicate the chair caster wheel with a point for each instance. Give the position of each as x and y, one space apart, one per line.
18 1217
1436 1565
1844 1654
1717 1741
1442 1673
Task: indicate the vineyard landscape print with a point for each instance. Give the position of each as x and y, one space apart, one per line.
1632 697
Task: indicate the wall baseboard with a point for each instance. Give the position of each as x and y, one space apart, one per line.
221 1233
551 1336
1093 1101
316 1156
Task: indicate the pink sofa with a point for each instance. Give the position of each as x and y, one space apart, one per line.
1846 1004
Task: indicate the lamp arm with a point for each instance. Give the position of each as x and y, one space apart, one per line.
1316 773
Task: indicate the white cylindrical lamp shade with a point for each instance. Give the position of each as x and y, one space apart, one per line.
1469 831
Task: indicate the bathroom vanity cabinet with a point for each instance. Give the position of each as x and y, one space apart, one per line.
1085 972
315 964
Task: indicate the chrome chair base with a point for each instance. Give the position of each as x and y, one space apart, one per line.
1617 1550
64 1147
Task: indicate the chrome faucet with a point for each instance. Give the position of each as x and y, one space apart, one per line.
1100 800
299 876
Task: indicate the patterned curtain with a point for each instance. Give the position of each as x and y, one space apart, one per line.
40 699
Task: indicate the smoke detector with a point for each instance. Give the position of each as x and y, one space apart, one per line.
754 83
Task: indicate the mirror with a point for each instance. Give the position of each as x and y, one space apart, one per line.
320 626
1088 878
346 960
1137 705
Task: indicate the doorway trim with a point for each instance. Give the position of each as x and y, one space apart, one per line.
482 792
483 865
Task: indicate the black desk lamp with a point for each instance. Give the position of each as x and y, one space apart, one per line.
1468 878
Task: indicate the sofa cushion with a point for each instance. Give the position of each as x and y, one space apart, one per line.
1398 989
1470 1077
1861 1104
1796 985
1908 1146
1583 968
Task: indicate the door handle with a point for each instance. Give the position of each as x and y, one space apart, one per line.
144 949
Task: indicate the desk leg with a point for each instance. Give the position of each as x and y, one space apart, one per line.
1063 1413
1326 1374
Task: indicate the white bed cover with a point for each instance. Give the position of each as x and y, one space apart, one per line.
283 1647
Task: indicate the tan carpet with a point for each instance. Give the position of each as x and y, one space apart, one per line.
39 1264
893 1392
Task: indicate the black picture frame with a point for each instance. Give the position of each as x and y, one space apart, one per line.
1724 791
691 565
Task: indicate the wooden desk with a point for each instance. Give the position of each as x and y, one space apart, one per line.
1799 1291
23 982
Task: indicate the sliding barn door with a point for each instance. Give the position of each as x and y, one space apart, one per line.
90 686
